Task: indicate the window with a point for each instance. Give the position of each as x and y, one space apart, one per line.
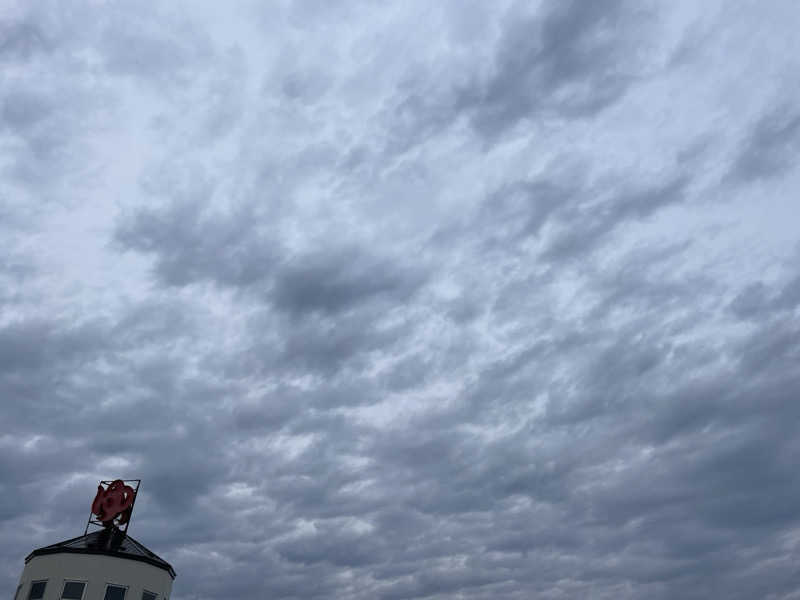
115 592
37 590
73 590
148 595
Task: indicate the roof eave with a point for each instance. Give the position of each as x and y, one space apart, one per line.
160 563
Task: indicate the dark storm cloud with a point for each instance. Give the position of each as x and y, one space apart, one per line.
356 350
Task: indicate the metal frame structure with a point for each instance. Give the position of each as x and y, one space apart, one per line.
94 521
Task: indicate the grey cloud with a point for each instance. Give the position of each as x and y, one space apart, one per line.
337 544
773 344
331 280
272 411
15 272
154 321
23 110
521 209
225 85
190 245
409 372
770 146
315 344
363 336
40 130
570 61
156 47
566 216
574 61
305 86
21 40
645 280
758 300
789 296
334 298
586 225
750 301
35 353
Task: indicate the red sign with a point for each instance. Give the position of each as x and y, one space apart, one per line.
114 501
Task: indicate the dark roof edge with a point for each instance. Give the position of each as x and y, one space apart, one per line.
160 563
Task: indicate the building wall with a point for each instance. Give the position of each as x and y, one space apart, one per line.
97 571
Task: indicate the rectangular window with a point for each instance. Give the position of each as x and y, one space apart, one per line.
115 592
148 595
37 590
73 590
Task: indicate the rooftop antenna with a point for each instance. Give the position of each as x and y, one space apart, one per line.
113 505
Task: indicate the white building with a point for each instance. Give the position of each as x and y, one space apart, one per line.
101 565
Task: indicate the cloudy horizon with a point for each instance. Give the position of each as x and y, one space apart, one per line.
458 300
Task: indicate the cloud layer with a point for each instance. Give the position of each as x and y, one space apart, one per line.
452 301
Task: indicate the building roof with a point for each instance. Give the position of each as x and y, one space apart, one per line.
106 542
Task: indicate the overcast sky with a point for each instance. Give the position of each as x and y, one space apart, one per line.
449 300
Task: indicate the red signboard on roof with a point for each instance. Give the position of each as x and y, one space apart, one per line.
113 503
